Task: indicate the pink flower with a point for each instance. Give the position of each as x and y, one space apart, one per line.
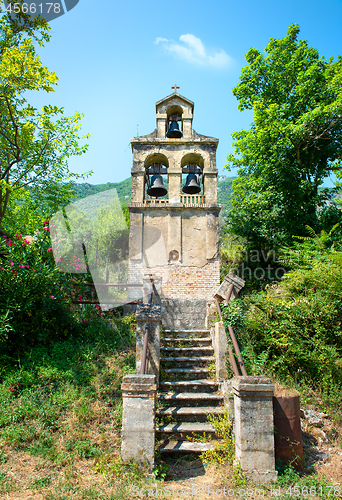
49 250
97 306
52 296
15 273
27 267
12 263
45 228
82 320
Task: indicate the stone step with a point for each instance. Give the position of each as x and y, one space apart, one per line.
196 397
189 385
187 333
187 371
189 362
176 339
185 447
189 413
192 350
195 411
187 427
187 353
189 359
200 342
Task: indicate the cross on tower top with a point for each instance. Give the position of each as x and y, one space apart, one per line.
175 87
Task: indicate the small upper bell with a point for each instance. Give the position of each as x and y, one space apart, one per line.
173 131
191 185
157 187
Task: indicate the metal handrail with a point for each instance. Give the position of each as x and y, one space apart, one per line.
144 357
230 351
111 302
145 352
234 341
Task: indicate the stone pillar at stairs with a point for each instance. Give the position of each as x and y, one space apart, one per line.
138 419
253 426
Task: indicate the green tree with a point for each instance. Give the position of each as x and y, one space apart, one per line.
34 145
294 142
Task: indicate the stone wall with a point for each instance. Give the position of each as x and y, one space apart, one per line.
185 257
180 282
184 314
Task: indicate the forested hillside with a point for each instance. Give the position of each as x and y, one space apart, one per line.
224 186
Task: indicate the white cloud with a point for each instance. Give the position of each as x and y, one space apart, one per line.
160 39
193 51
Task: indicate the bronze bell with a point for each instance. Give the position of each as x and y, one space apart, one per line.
173 131
157 187
191 185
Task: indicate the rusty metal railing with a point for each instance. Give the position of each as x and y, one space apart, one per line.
111 302
234 341
144 356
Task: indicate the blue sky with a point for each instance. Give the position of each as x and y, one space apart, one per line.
115 60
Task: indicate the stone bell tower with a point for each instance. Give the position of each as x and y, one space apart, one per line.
163 162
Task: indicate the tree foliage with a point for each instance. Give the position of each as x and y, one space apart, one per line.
292 330
293 143
34 145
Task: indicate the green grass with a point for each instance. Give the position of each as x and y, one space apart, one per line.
7 483
67 407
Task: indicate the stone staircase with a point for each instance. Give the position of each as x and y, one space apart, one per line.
188 391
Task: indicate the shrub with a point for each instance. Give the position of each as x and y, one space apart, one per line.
35 298
293 330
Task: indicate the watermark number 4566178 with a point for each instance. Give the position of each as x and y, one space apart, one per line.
44 8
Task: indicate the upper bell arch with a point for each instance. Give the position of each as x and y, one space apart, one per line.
174 105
